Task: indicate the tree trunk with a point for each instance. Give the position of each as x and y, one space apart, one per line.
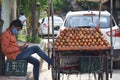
33 19
2 63
2 57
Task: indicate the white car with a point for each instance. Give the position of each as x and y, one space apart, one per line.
90 19
43 28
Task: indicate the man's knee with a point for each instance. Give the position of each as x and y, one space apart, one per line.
36 47
33 61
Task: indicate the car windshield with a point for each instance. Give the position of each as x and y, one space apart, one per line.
90 21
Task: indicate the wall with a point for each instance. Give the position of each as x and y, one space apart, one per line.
8 12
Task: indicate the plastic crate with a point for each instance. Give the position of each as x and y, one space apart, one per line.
89 64
15 68
13 78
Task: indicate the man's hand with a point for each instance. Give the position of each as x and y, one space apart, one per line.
23 46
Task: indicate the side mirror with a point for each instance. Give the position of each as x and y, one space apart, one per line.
40 20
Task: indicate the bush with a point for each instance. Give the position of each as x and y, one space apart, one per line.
33 39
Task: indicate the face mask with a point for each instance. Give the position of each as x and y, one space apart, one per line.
15 31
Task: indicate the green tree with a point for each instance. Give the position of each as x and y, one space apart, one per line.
114 9
58 5
62 5
43 5
86 5
29 8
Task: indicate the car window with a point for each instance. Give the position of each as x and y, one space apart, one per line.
43 20
83 21
56 19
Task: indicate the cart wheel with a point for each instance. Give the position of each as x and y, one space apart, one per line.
100 75
55 75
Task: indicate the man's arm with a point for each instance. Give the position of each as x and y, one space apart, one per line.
5 44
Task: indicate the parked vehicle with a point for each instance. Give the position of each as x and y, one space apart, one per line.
90 19
43 28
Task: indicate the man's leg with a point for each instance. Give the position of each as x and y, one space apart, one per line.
34 49
36 65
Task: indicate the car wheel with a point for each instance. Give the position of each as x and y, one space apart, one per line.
41 35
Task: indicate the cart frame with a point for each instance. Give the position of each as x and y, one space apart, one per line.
56 54
57 70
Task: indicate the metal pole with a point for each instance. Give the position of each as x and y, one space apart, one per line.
49 3
111 38
52 12
99 13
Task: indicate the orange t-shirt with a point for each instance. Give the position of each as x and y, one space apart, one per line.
9 45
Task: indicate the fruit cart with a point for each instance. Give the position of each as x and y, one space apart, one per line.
80 51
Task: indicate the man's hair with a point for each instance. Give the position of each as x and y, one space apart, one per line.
16 23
